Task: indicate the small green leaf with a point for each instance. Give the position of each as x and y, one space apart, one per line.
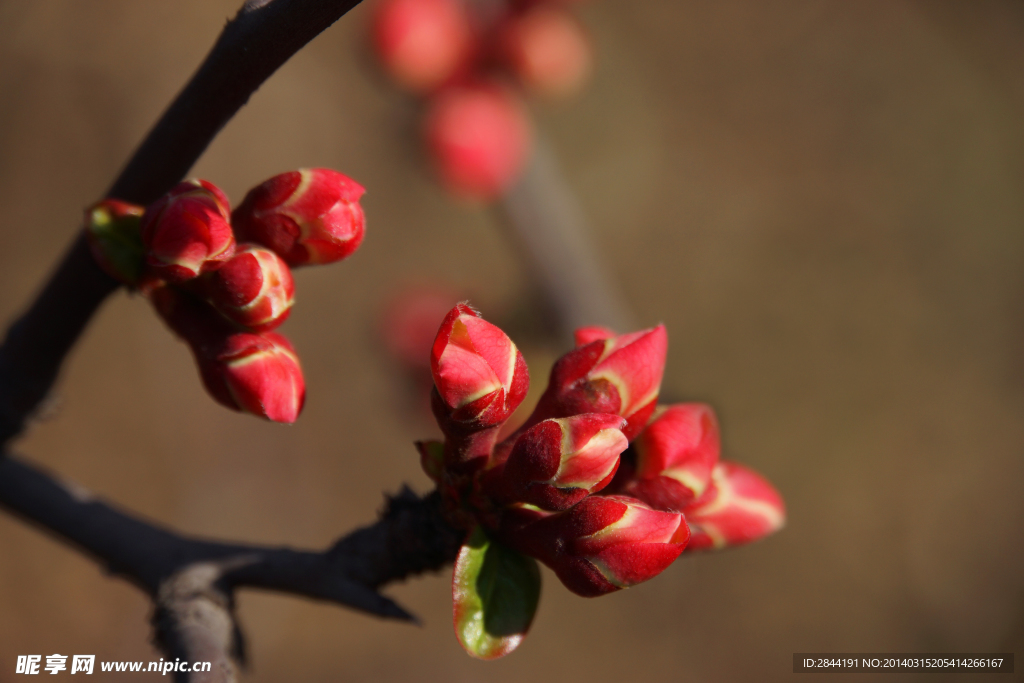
495 590
432 458
120 241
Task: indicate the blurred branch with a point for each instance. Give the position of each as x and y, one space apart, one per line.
193 581
550 227
261 37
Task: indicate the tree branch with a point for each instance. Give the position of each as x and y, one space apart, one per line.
551 231
193 581
262 36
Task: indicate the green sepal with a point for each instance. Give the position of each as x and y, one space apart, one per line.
115 238
431 458
495 591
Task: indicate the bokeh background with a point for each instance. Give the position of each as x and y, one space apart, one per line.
823 201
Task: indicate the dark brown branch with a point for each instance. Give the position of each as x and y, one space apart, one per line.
193 581
262 37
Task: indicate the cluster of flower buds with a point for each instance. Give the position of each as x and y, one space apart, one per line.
600 483
222 280
470 59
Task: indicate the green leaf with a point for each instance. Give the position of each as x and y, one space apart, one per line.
432 458
119 238
495 590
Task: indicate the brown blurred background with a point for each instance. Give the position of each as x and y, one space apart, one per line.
824 202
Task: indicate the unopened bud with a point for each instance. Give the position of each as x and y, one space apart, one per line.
253 373
309 216
618 375
604 543
739 506
254 288
422 43
593 333
258 374
112 229
546 48
479 138
558 462
187 231
675 455
479 374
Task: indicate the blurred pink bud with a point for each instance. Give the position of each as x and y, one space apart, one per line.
480 375
254 288
558 462
308 216
253 373
187 231
604 543
422 43
675 455
739 506
618 375
408 324
547 49
479 138
112 230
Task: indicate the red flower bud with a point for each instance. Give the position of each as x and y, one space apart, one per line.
112 229
738 506
675 455
422 43
603 544
254 373
253 289
258 374
618 375
479 373
558 462
307 216
187 231
479 138
547 50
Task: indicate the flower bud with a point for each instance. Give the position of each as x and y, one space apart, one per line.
253 373
739 506
112 230
546 48
602 544
558 462
593 333
258 374
479 374
422 43
618 375
479 138
253 289
308 216
187 231
675 455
